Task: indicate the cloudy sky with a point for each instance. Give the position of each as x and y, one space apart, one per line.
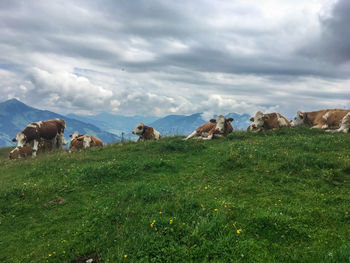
163 57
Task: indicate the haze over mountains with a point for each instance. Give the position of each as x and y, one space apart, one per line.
15 115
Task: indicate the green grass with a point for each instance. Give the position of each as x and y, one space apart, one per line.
4 152
288 191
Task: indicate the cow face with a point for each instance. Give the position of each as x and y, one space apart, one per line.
222 123
139 130
74 135
21 139
258 121
15 153
298 119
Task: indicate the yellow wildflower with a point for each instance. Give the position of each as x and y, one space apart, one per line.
50 255
215 209
239 231
160 212
125 256
206 188
171 221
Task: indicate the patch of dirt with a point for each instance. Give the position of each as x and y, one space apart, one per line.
58 201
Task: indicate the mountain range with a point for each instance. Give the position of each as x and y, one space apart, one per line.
15 116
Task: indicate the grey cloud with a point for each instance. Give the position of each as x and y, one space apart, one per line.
333 44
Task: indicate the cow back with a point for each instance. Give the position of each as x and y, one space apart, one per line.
206 127
148 133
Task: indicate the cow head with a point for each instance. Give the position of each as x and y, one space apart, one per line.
75 135
258 121
298 119
21 139
15 153
139 130
222 124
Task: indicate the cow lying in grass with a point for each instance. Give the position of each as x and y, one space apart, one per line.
79 142
215 128
27 150
146 133
268 121
321 119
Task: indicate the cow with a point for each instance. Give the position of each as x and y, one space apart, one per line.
321 119
267 121
25 151
84 142
43 130
146 133
344 125
215 128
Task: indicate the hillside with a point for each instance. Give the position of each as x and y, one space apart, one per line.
280 196
15 115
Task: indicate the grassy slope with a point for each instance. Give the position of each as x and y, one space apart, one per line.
288 191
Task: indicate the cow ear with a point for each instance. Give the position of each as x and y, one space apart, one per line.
265 118
251 119
14 140
212 121
230 119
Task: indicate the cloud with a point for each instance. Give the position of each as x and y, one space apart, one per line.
333 43
180 57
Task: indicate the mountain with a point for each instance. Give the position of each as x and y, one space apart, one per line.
116 124
178 124
15 116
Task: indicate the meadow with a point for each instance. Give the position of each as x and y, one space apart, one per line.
278 196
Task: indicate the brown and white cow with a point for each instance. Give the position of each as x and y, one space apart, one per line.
43 130
215 128
84 142
344 125
27 150
146 133
268 121
322 119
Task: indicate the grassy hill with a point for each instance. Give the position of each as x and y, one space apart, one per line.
280 196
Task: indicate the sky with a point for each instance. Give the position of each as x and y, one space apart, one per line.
163 57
